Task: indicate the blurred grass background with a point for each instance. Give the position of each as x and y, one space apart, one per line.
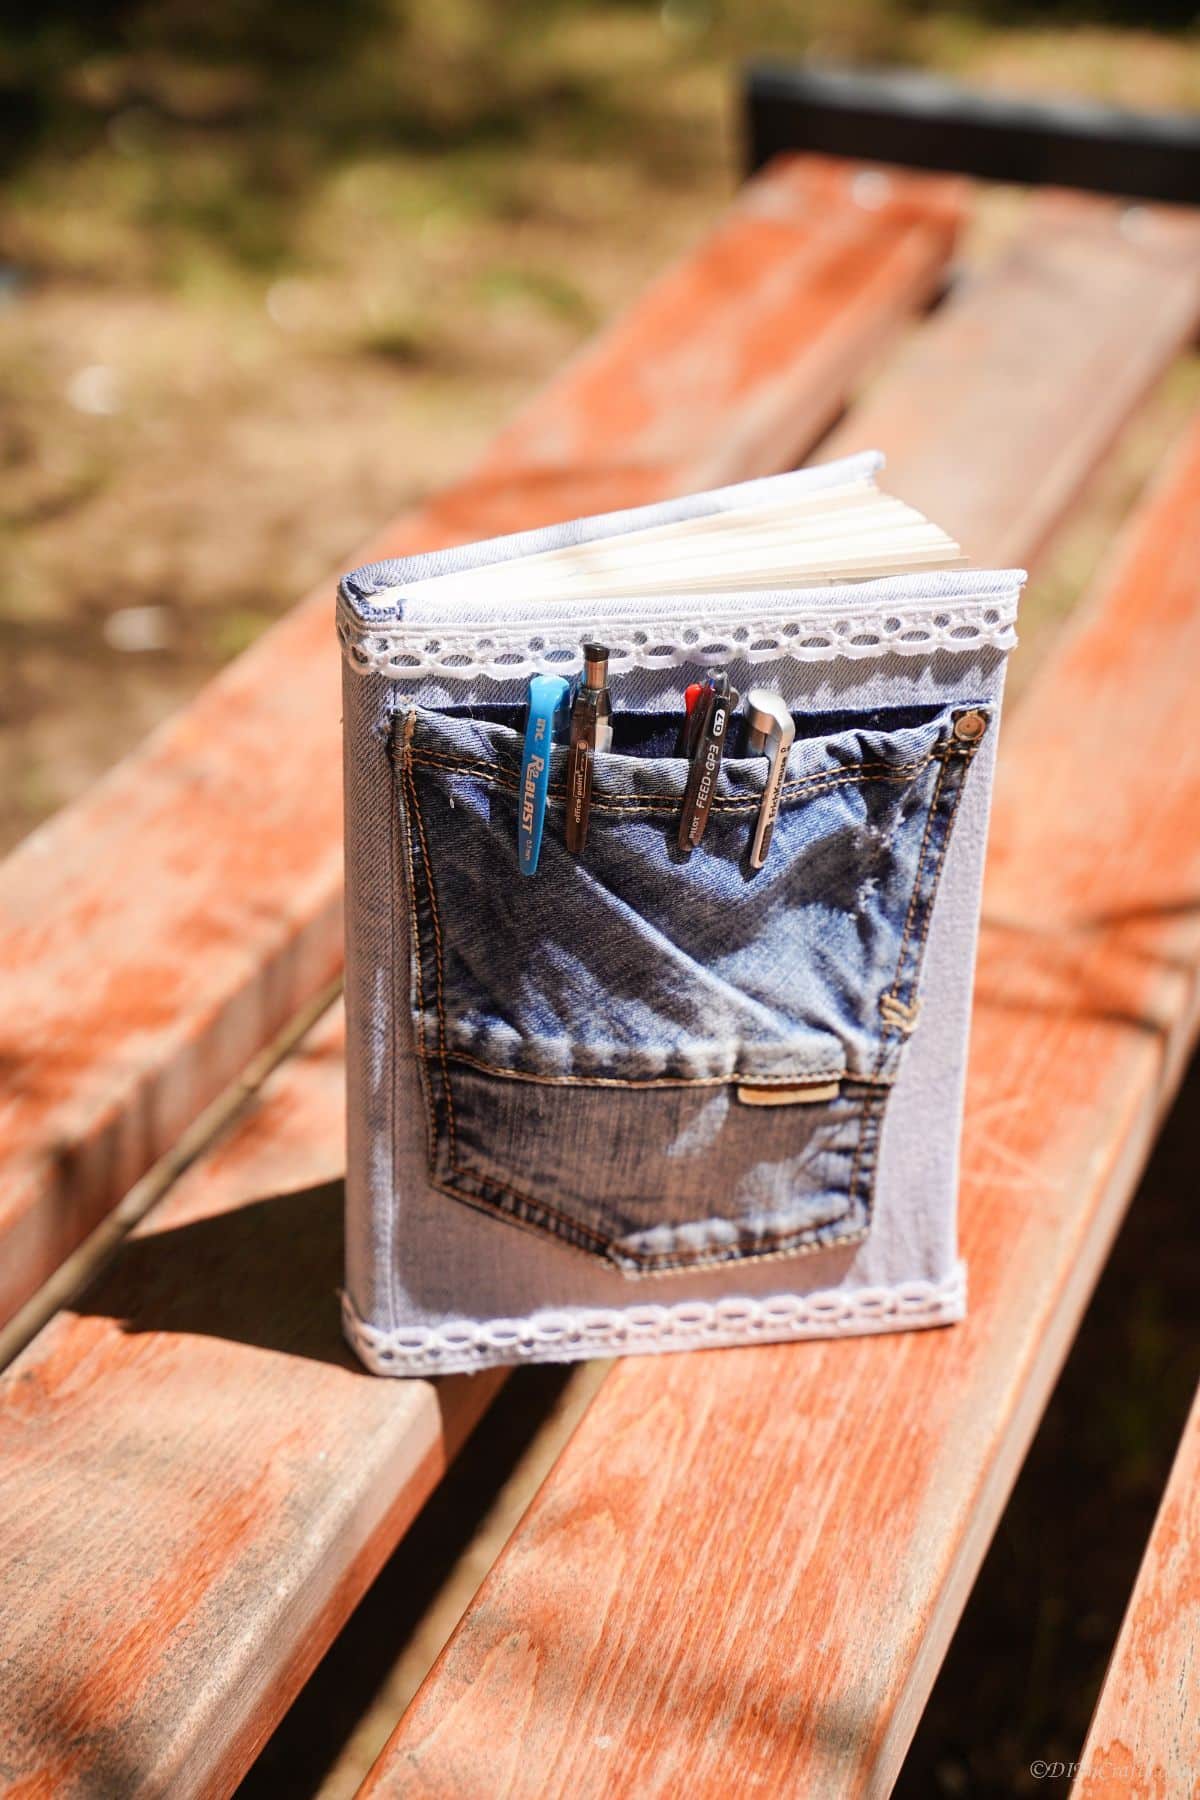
270 271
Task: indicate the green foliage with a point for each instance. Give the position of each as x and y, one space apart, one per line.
145 138
544 289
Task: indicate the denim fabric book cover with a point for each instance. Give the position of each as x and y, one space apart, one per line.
645 1100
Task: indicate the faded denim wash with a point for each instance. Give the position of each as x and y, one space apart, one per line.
442 1278
587 1037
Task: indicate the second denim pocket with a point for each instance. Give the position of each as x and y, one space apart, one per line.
670 1062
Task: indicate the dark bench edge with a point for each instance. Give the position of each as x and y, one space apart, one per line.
925 122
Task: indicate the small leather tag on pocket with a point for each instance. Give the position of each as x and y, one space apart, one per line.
794 1093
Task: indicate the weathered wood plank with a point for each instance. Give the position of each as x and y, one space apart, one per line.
155 936
1101 293
1144 1741
744 1569
791 328
217 1323
199 1482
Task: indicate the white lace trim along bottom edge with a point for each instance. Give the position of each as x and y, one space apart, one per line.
574 1334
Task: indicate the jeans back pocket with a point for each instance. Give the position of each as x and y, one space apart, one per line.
668 1062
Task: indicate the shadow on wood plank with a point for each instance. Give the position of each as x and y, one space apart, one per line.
264 1273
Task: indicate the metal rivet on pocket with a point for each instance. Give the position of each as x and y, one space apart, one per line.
969 727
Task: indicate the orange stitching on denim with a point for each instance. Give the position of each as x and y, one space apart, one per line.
414 929
864 1120
725 803
538 1206
902 1014
915 897
872 1122
648 1082
730 808
800 784
964 757
500 772
956 799
666 1265
675 1266
437 934
874 1103
891 996
881 1053
858 1143
395 1012
877 768
492 1209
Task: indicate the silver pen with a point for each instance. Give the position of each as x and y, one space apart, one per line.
591 730
771 731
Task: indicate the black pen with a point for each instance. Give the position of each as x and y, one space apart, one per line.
591 730
707 731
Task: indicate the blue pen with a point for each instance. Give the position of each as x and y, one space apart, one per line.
548 697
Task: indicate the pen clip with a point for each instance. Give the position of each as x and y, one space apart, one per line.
548 695
591 730
771 733
708 729
579 794
694 696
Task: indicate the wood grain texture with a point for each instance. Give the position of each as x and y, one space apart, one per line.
742 1573
155 936
173 1551
199 1481
1098 292
1144 1741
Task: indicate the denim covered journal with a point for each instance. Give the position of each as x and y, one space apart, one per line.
652 1096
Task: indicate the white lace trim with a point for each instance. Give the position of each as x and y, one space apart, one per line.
574 1333
413 653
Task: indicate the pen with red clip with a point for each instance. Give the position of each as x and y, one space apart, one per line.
692 695
710 707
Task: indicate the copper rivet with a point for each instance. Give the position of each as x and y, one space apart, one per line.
969 727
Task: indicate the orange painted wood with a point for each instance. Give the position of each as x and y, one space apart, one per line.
762 335
225 1370
1144 1741
155 936
744 1569
1097 292
199 1482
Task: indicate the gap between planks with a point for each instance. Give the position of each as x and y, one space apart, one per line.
1143 1739
85 1264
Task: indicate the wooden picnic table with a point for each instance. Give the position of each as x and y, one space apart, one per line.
746 1566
